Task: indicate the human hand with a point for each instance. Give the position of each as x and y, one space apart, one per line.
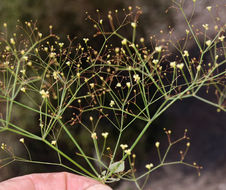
52 181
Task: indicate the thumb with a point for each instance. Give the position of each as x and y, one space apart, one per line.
99 187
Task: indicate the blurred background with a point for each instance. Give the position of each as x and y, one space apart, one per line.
206 127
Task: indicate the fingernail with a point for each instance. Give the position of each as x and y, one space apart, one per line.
99 187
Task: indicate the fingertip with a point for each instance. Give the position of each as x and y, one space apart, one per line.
99 187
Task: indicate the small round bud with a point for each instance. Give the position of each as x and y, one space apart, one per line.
157 144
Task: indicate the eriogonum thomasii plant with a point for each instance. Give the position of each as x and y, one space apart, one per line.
88 95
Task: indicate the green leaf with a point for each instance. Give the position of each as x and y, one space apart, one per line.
117 166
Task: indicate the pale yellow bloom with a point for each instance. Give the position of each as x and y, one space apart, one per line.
206 26
142 40
198 67
186 54
180 66
105 135
52 54
112 103
173 64
124 146
136 78
128 152
53 142
133 24
157 144
94 136
221 38
155 61
208 42
23 89
128 84
149 166
91 85
124 41
56 75
118 85
12 41
209 8
40 35
21 140
44 94
158 48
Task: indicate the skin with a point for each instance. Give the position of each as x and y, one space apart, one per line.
52 181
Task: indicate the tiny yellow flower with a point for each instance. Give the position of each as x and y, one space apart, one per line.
124 41
112 103
25 58
3 146
221 38
128 84
61 44
68 63
142 40
44 94
198 67
158 49
12 41
29 63
53 142
208 42
118 85
85 40
52 55
91 85
173 64
23 71
180 66
22 52
209 8
117 50
155 61
133 24
105 135
21 140
136 78
123 146
23 89
6 63
205 26
40 35
28 24
94 136
4 25
128 152
149 166
56 75
186 54
91 118
7 48
157 144
188 144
